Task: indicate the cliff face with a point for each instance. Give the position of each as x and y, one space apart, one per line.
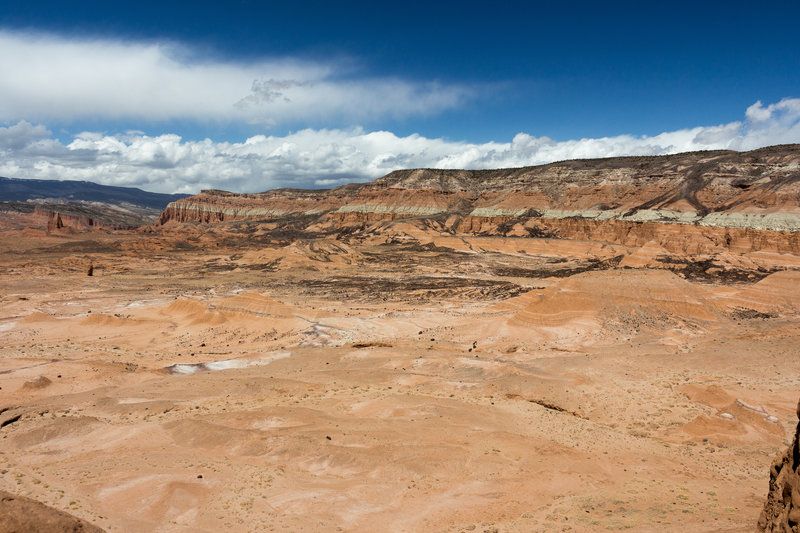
56 220
668 199
75 216
674 238
781 513
86 216
80 205
220 206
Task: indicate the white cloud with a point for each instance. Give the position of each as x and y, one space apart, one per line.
757 112
47 77
21 135
324 158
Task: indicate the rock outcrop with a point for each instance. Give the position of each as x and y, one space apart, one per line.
21 515
75 216
80 205
744 201
83 216
220 206
781 513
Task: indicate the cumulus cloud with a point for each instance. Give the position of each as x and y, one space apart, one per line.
48 77
329 157
21 135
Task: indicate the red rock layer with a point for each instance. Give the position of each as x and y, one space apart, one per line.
57 220
220 206
688 203
781 513
675 238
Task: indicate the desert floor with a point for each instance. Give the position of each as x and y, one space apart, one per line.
228 378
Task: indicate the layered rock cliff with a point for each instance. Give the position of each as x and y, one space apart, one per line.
220 206
781 513
57 220
88 215
749 200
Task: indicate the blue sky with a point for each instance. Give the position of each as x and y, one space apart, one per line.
246 96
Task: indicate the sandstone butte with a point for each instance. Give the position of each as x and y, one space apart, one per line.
592 345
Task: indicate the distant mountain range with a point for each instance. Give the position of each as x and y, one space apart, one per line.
82 203
55 191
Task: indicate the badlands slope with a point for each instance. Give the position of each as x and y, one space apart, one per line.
400 369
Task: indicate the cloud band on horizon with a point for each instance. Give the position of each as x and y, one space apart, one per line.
315 158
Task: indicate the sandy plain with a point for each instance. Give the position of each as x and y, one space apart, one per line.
231 378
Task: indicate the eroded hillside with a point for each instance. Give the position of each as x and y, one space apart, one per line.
381 357
756 190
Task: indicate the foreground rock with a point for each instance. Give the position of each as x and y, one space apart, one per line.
782 511
22 515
